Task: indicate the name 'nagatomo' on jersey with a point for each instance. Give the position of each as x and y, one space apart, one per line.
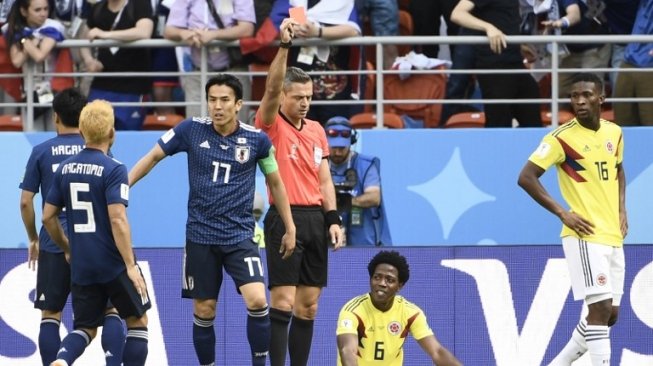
86 169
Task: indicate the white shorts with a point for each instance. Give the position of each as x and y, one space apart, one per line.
595 269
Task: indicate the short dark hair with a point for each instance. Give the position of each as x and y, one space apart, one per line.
588 77
295 75
228 80
68 105
394 259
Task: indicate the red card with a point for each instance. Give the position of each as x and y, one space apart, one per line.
298 14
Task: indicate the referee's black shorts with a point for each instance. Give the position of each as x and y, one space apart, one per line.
308 263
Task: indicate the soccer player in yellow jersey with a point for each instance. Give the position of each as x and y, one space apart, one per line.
588 153
372 328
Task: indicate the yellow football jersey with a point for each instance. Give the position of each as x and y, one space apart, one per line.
381 335
586 162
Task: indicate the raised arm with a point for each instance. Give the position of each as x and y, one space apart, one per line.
274 83
28 215
146 164
440 355
348 348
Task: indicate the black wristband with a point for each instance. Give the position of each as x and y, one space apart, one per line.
332 218
283 44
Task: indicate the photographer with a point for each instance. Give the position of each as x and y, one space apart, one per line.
357 181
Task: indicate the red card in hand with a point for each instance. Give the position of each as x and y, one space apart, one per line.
298 14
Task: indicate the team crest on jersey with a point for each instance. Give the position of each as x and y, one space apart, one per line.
242 154
394 328
609 146
601 279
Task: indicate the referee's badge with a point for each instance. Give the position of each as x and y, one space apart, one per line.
242 154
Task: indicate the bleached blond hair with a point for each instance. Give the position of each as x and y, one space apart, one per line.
96 121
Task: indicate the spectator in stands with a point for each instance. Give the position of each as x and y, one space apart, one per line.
383 16
496 19
164 59
194 23
31 38
357 179
637 84
380 309
427 19
120 20
620 15
581 18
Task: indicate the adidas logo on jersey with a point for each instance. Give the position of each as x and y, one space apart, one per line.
205 144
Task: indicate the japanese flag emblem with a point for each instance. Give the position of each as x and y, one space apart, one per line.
242 154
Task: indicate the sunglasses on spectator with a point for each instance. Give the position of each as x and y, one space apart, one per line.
335 133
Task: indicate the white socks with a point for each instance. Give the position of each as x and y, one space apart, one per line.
575 348
598 344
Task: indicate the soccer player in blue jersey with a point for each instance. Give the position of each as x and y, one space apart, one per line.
94 189
53 275
222 157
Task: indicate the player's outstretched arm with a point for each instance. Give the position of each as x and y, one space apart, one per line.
274 83
146 164
440 355
29 217
278 192
53 226
348 348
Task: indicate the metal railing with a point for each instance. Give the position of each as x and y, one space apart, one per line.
379 72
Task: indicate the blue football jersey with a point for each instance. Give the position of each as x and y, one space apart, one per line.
85 185
43 162
222 178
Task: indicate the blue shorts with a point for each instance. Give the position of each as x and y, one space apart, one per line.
52 281
202 273
90 301
127 118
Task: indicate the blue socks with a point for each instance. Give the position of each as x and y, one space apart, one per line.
73 346
135 352
113 339
204 340
258 334
49 339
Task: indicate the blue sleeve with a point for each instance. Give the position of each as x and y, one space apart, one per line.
55 194
32 177
264 146
174 140
372 177
117 186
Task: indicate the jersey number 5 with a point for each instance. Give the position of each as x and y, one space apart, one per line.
89 226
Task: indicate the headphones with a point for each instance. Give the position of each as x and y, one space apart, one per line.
342 121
